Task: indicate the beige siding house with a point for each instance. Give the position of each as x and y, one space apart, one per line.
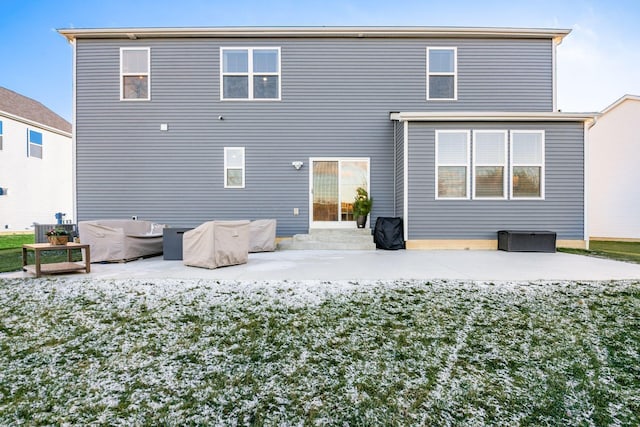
614 172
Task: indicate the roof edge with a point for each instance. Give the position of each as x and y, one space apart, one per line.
358 32
35 124
619 101
462 116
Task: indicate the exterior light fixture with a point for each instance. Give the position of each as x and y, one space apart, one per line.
297 165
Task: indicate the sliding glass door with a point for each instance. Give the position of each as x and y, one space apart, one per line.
333 188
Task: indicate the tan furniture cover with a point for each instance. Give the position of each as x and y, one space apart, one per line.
121 239
262 235
216 244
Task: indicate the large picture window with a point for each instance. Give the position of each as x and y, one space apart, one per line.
250 73
442 73
233 167
134 74
452 158
490 160
527 164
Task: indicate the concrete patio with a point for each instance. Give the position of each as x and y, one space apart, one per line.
383 265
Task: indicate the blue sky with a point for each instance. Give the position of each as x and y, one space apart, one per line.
597 63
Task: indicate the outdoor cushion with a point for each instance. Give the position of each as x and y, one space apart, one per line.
216 244
262 235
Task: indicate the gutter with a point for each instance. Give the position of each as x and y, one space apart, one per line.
355 32
490 116
35 124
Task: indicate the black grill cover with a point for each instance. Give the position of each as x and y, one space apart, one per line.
388 233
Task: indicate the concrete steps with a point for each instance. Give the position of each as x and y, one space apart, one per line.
359 239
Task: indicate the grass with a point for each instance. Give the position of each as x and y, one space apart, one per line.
11 252
620 251
390 353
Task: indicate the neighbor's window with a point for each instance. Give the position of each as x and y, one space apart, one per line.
250 73
134 73
34 144
489 159
0 134
442 69
452 164
233 167
527 164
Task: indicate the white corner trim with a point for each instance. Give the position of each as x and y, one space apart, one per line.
585 183
405 186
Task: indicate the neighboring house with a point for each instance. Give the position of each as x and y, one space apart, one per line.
36 166
614 172
453 129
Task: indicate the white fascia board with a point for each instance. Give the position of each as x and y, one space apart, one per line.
490 116
34 124
358 32
620 101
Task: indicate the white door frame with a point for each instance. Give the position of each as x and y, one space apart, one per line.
335 224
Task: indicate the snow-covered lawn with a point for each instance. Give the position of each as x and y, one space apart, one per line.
78 352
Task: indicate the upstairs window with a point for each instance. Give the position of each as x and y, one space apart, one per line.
134 74
527 164
34 144
490 160
442 70
250 73
452 164
233 167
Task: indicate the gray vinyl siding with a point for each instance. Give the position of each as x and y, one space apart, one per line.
399 177
561 211
336 99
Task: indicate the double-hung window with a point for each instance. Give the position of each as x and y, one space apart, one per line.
250 73
452 164
527 164
490 160
233 167
442 73
135 75
34 144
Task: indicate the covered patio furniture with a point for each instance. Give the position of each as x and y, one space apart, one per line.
216 244
121 239
262 235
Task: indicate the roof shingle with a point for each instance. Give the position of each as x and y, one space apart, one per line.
30 109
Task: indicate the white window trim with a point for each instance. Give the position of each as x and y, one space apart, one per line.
250 73
541 165
226 167
467 165
147 74
454 74
505 173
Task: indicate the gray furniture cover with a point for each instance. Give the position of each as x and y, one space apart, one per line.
121 239
216 244
262 235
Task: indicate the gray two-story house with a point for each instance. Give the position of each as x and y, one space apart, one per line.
453 129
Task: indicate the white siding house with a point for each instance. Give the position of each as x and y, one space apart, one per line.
35 163
614 172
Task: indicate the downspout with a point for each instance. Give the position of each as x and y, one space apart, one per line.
395 170
74 115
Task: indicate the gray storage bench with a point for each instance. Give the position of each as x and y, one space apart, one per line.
172 243
526 241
